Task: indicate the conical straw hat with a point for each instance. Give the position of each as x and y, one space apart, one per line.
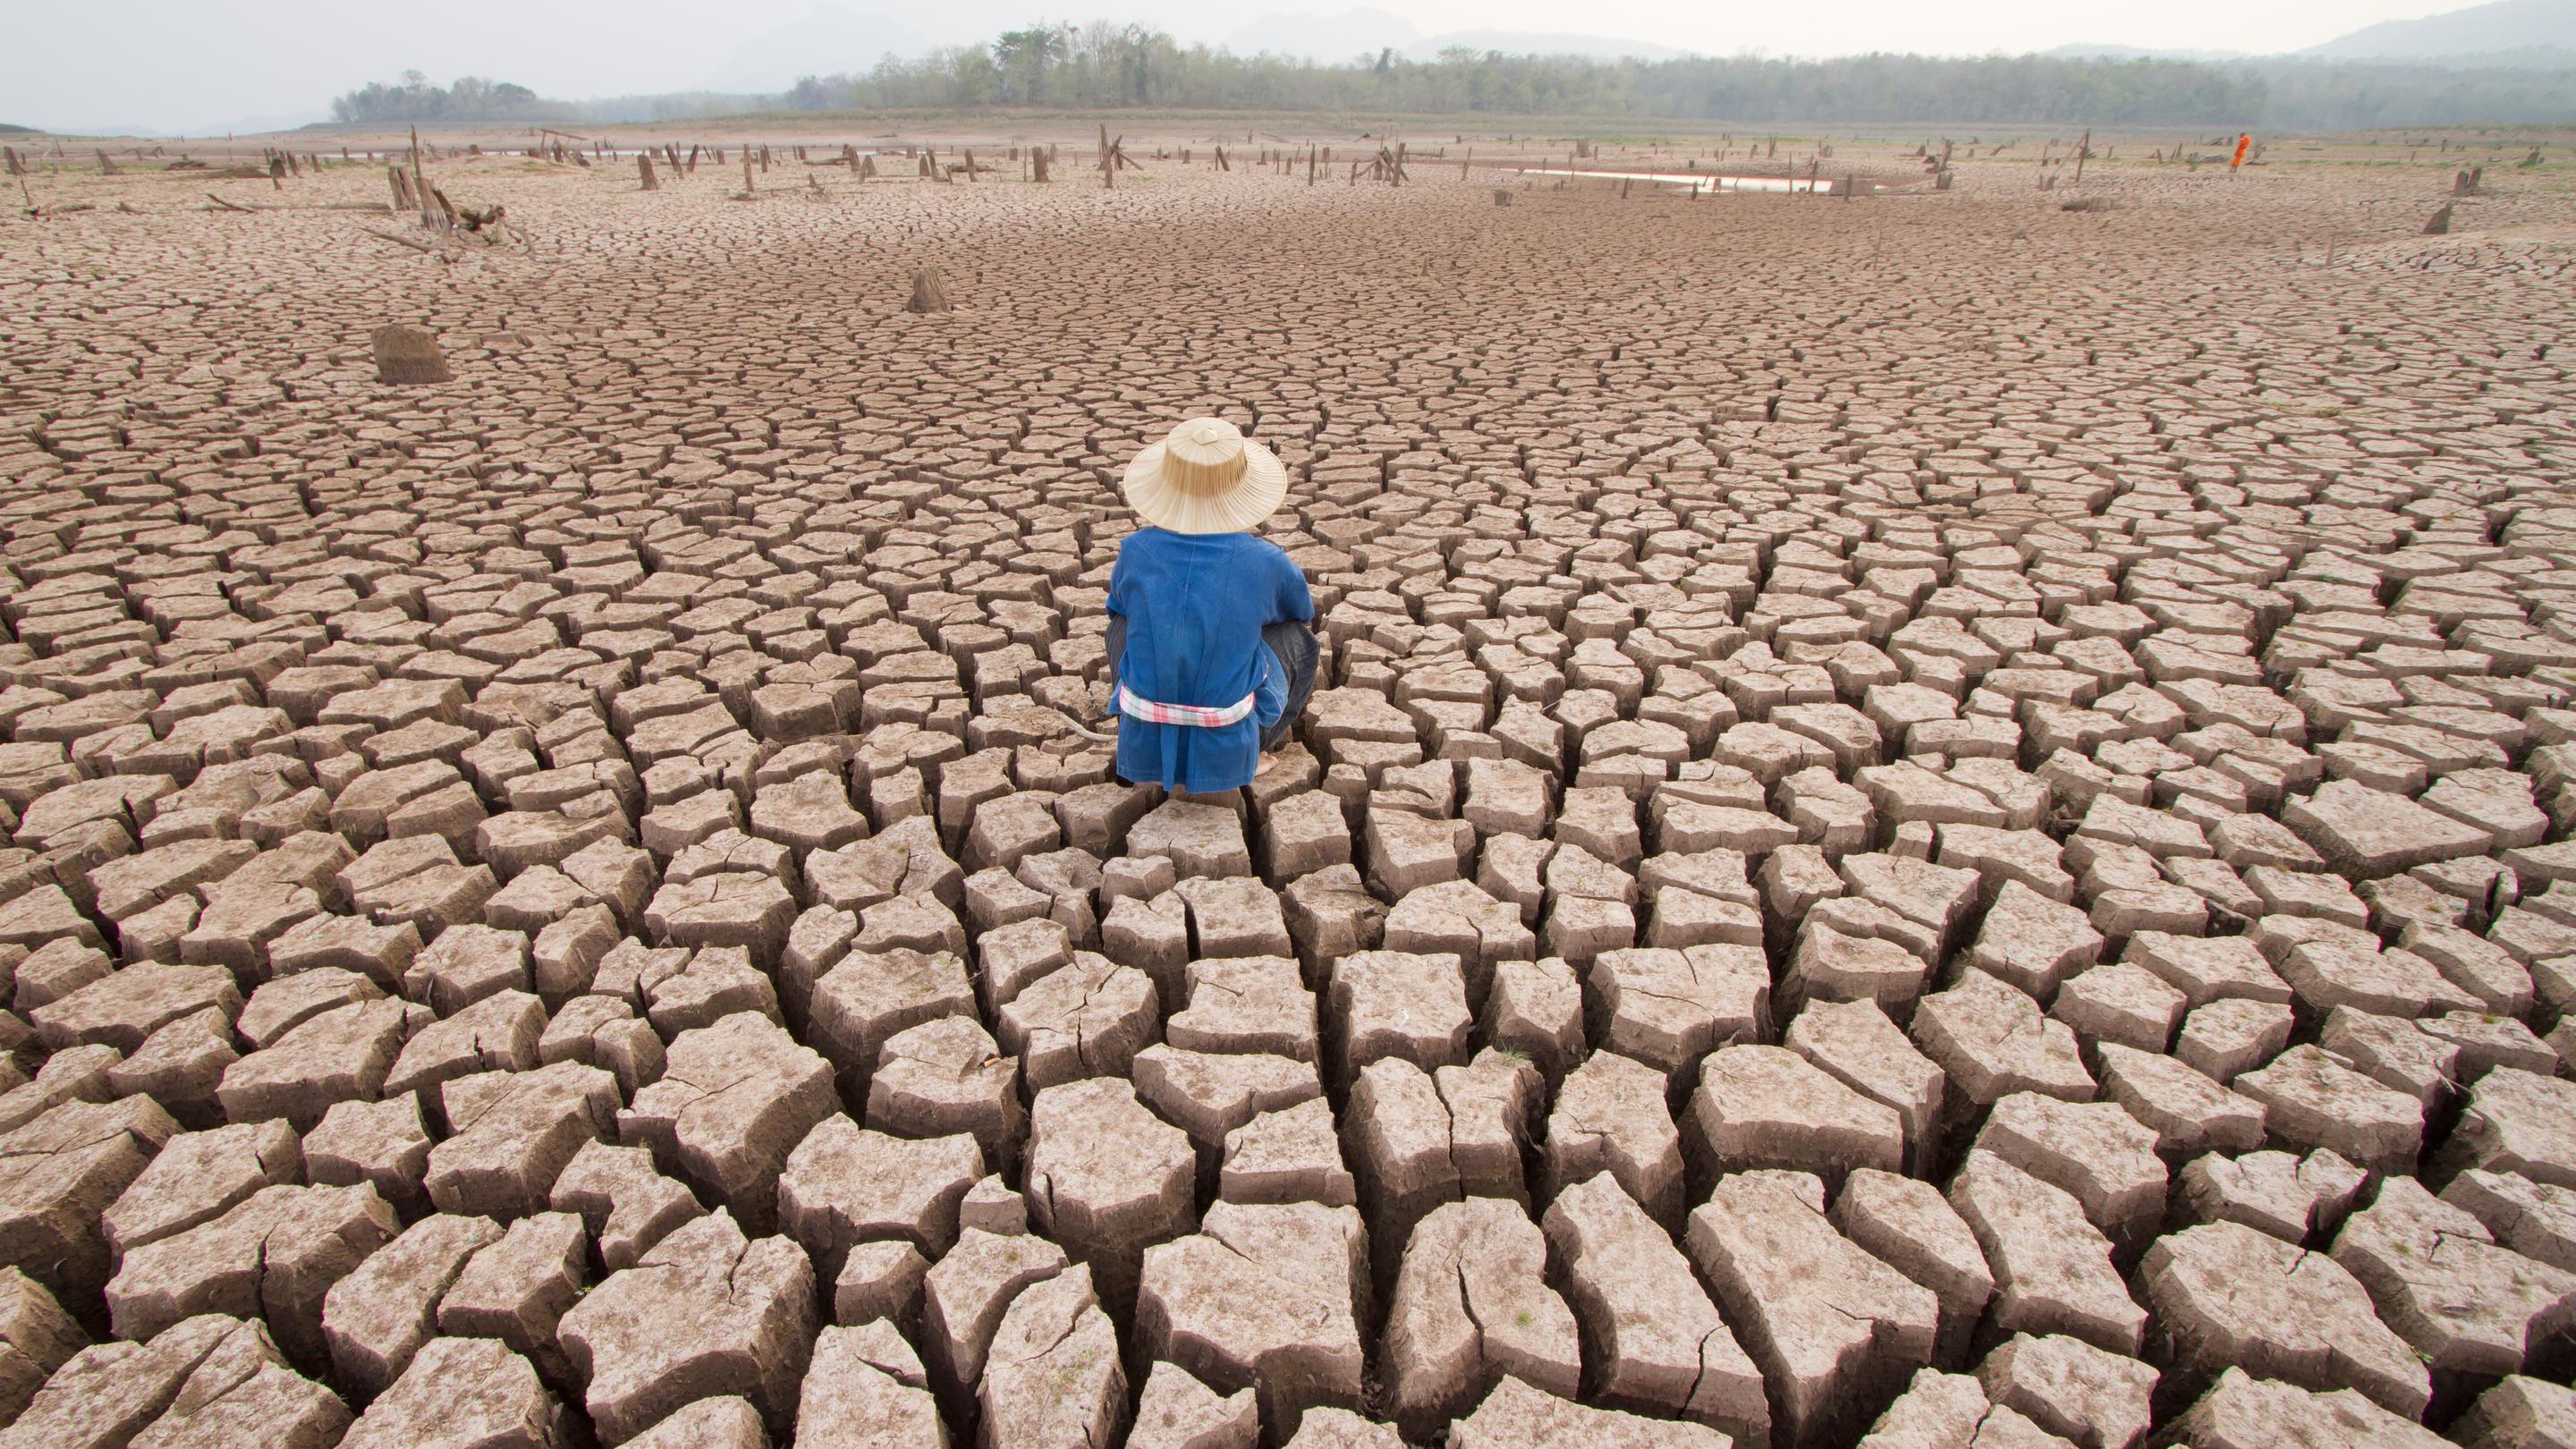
1205 477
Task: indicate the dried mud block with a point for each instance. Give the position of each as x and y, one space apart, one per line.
1536 1008
377 1317
625 1204
2519 1413
498 1033
1331 915
1768 1107
1943 1409
1262 1297
1087 1019
126 1008
1176 1411
2365 833
274 1256
407 355
2310 1100
1051 1375
1461 919
1668 1008
1610 1116
1331 1428
1107 1178
2518 1122
1199 839
945 1077
382 1143
2053 1270
705 1314
1246 1004
734 1100
2072 1389
880 1279
1860 1047
966 1293
1991 1041
1406 1005
2225 1039
2229 1297
462 1393
198 1177
338 1055
2278 1192
1516 1413
516 1290
510 1134
36 1338
1471 1305
2094 1151
1908 1225
843 1186
1836 1331
1209 1094
2241 1411
865 1386
2189 1113
1653 1341
181 1066
58 1174
1291 1155
2535 1219
872 996
2466 1304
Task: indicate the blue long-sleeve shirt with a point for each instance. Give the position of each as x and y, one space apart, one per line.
1195 605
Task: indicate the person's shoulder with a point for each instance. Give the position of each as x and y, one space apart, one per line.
1253 545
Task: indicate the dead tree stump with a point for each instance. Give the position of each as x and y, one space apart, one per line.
929 293
1038 163
2440 225
1502 196
408 355
644 171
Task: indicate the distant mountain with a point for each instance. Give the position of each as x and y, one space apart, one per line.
2132 52
2496 30
1525 42
829 40
8 130
1324 37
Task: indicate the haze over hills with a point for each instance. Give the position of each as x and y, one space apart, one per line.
2499 28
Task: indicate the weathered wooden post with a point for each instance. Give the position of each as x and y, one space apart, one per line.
2083 153
420 183
929 293
747 187
2440 225
644 170
1038 163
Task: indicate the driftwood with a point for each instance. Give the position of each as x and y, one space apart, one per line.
929 292
413 242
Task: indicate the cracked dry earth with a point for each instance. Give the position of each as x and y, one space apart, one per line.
1929 822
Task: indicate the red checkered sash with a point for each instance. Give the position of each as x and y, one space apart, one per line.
1200 716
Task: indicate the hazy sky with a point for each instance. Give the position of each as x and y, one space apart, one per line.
198 65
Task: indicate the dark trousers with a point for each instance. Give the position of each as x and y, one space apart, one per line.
1292 643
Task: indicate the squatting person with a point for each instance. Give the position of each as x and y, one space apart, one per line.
1208 639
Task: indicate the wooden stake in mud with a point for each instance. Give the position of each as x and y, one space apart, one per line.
401 187
1310 165
16 166
929 293
1108 166
105 166
747 187
2083 150
420 183
644 169
1038 163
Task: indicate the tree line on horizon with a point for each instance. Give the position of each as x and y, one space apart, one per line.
1109 67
